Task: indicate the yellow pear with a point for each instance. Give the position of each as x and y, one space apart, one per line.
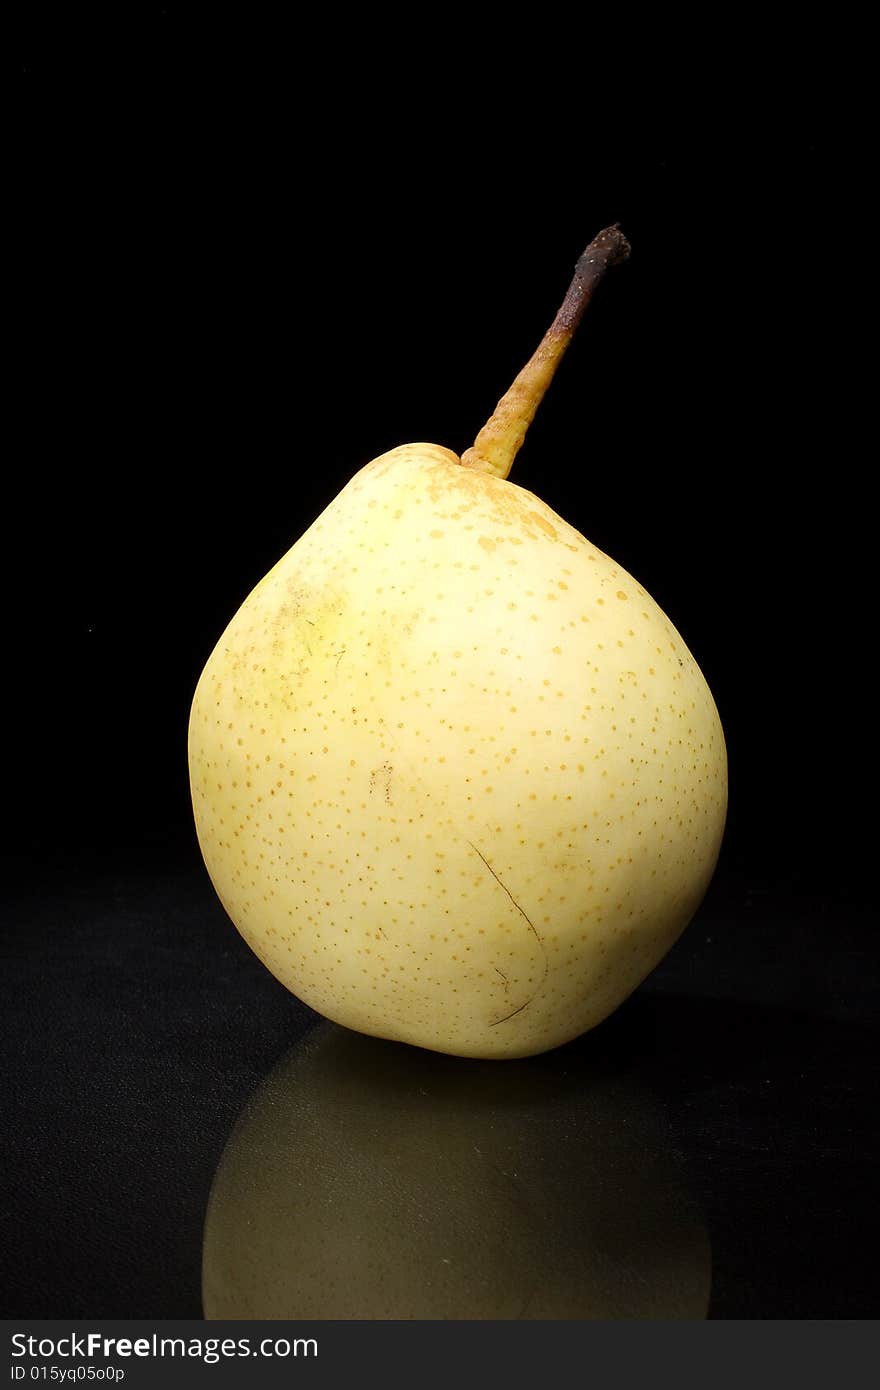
456 777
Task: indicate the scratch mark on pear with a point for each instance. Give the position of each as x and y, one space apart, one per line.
508 892
495 1022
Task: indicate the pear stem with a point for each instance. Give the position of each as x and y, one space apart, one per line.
500 439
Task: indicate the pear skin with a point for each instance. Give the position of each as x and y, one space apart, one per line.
457 779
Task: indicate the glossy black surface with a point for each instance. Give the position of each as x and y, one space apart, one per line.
735 1093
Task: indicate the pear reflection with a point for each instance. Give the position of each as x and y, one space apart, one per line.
367 1179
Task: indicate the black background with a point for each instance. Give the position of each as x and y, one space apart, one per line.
246 262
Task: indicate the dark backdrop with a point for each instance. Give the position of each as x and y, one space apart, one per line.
232 290
232 296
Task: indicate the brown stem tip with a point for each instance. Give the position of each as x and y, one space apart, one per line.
500 439
605 250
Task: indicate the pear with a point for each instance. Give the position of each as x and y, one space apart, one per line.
456 778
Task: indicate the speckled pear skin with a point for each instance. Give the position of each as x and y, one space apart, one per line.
456 778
